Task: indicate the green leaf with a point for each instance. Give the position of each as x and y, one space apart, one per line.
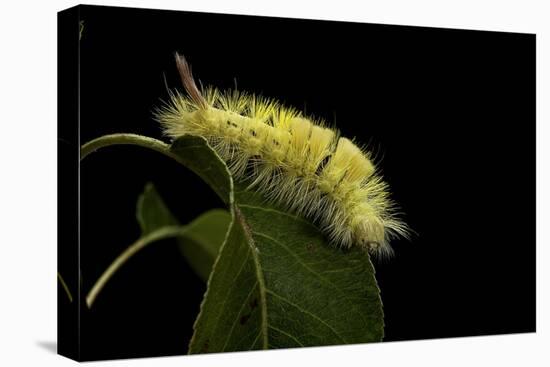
203 239
276 282
204 236
157 223
194 153
151 212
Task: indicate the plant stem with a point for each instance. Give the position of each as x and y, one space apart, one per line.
126 139
159 234
65 287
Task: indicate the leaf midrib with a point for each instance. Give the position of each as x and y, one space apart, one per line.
317 275
259 274
263 290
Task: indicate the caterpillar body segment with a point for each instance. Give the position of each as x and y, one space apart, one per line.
291 159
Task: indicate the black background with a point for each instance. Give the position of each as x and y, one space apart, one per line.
450 113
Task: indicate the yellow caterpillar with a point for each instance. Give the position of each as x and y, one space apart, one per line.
293 160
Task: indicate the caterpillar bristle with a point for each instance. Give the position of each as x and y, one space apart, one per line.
297 161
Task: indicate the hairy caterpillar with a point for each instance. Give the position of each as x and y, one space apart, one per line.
293 160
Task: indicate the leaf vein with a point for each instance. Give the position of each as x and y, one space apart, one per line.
225 299
230 333
301 262
278 212
308 313
287 334
259 275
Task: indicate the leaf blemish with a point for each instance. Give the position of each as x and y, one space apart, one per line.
205 346
245 318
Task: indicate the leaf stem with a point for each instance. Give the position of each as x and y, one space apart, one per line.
194 148
159 234
65 287
126 139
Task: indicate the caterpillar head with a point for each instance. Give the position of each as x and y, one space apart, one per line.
369 233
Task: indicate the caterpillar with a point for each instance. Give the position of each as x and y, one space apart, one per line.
294 160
